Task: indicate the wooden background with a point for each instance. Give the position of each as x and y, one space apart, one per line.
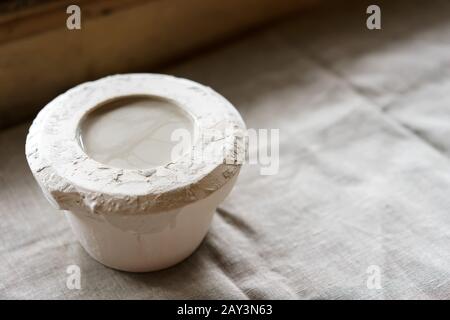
40 58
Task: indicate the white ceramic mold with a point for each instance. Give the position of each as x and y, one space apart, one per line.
136 219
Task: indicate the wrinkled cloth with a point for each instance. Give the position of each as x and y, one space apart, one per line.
363 181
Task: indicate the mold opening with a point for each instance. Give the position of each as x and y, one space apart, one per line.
134 132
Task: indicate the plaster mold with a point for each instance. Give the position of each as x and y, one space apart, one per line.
136 219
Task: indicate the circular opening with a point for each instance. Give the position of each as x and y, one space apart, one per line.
133 132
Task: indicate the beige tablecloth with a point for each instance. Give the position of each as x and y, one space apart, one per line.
364 179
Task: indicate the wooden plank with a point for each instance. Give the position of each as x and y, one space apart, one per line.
50 15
